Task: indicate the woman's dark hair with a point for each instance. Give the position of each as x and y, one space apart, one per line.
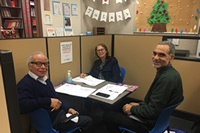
105 47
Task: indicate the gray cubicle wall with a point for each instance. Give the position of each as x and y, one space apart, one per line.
58 71
134 53
88 44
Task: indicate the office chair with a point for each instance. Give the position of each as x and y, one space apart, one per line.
41 122
162 123
123 72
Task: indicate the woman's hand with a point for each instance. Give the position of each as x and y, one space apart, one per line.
83 75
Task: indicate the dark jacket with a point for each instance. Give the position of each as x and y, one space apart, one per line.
110 72
166 90
34 95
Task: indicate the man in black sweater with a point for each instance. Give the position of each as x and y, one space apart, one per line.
166 90
36 91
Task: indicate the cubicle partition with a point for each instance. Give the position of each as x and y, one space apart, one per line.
134 54
58 71
88 44
21 49
4 111
189 71
9 111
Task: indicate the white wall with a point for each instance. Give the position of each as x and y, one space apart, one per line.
82 23
121 27
58 20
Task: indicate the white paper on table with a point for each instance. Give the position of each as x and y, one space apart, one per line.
89 80
75 90
112 90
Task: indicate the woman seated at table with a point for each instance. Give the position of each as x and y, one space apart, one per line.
105 67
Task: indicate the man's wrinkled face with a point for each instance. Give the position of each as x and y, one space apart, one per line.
39 66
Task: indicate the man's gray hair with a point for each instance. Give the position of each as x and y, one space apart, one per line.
171 47
31 58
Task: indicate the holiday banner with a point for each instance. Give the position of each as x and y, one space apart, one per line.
96 14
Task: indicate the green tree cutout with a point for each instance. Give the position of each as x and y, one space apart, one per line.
159 16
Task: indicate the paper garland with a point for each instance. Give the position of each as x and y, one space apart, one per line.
107 1
120 15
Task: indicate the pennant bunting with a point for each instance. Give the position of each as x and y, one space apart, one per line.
104 16
111 17
127 13
93 0
118 1
89 11
96 14
119 16
105 1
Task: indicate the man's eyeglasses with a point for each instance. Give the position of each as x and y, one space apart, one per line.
100 50
39 64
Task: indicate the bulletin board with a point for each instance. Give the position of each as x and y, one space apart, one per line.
184 16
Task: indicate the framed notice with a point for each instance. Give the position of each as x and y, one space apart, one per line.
74 8
66 52
66 9
56 8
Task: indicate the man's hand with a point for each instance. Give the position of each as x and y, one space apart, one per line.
127 108
72 111
134 104
55 103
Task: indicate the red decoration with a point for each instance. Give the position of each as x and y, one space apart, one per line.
162 1
105 0
137 12
164 10
156 11
160 5
160 12
167 18
166 14
158 21
152 16
140 29
176 30
8 33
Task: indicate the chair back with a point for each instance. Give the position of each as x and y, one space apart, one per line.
41 122
162 123
123 72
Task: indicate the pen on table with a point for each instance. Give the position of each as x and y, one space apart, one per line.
52 109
